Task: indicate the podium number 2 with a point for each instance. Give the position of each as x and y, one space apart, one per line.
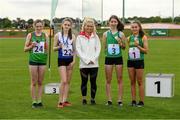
54 90
158 86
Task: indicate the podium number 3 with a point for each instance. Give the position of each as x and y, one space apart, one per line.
158 86
54 90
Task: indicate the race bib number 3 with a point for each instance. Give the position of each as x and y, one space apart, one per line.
134 53
67 50
39 48
113 49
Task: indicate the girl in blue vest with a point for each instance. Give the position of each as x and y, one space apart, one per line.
64 44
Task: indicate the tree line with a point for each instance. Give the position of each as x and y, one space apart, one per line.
19 23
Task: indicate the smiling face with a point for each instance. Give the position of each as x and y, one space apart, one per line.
135 28
38 27
66 25
89 27
113 23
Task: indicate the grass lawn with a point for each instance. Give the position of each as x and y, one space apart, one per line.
15 99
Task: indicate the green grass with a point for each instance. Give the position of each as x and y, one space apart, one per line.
15 99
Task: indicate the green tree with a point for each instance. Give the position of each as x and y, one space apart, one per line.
5 23
166 20
46 22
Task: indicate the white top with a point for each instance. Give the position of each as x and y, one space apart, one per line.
88 50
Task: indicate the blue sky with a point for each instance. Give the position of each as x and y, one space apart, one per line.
73 8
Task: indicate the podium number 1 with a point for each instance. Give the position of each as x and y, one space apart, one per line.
158 86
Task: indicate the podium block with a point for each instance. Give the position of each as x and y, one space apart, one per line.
52 88
159 85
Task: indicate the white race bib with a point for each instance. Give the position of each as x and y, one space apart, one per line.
39 48
113 49
67 50
134 53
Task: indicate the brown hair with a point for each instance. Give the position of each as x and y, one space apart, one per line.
120 26
141 31
38 21
70 30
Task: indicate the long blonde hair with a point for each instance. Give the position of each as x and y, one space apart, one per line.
88 20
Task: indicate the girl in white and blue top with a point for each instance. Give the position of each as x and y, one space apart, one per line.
64 44
65 52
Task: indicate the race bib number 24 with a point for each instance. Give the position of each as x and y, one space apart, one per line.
39 48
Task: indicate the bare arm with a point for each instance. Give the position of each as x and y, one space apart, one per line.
28 45
47 42
122 41
104 39
145 44
56 45
74 50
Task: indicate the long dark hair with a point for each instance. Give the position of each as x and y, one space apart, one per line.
120 26
70 30
141 31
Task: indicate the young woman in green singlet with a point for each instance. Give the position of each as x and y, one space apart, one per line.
114 42
37 44
138 46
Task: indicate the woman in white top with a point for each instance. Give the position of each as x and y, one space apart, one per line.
88 49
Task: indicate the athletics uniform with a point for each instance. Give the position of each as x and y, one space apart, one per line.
113 52
65 54
38 55
135 56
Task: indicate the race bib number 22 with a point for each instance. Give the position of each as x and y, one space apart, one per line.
67 50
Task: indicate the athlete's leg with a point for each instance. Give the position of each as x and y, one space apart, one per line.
93 76
84 79
67 85
41 72
139 75
34 77
108 73
132 78
62 73
119 72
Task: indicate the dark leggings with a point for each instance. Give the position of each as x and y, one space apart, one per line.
85 72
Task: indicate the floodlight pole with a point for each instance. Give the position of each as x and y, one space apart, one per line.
123 10
82 10
172 11
49 62
101 11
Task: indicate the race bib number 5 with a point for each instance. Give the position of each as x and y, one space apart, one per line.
67 50
39 48
113 49
134 53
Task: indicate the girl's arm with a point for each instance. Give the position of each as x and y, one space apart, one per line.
122 41
56 45
80 52
74 50
104 40
47 42
28 44
145 44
